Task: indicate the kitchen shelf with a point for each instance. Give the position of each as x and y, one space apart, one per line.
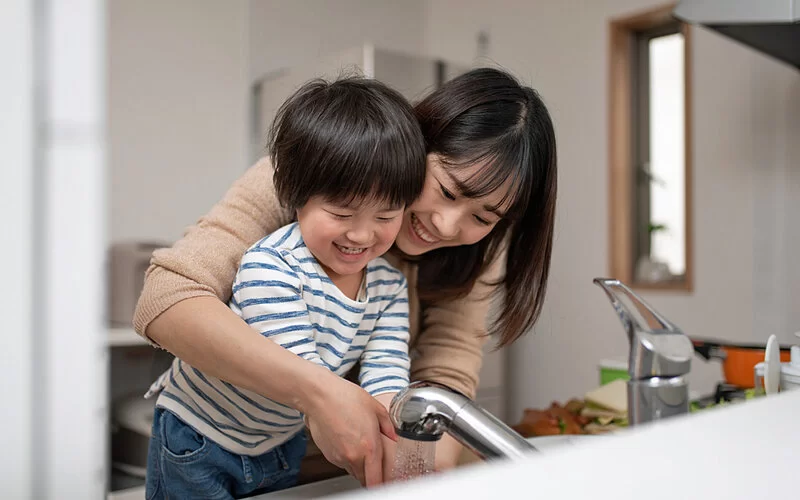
124 337
135 493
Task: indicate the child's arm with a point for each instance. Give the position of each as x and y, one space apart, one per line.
385 363
267 293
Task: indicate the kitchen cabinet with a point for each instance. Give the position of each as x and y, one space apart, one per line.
124 337
133 366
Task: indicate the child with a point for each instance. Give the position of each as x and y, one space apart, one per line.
348 157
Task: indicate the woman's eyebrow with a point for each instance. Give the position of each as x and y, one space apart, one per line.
495 210
463 190
462 187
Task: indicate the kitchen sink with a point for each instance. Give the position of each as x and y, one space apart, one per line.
344 484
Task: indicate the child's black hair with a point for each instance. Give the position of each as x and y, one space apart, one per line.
351 139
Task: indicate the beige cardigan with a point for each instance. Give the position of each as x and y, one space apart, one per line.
446 337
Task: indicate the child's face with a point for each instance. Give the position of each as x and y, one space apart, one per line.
345 238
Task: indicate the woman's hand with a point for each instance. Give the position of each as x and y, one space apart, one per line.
349 426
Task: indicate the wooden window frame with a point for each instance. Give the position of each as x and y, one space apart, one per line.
622 32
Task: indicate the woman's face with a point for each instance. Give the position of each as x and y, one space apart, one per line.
443 217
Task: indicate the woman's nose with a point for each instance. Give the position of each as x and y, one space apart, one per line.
446 223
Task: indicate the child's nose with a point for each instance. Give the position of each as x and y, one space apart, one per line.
360 234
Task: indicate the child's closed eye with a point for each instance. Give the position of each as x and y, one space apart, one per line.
339 215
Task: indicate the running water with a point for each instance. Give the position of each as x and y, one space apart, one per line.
413 459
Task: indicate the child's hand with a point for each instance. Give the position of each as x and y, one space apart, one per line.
350 427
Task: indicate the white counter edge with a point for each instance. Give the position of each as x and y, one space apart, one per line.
743 451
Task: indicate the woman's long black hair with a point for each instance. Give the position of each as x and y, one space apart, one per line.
485 117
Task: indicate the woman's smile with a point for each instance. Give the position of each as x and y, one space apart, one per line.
419 230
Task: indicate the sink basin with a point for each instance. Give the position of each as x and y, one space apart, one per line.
547 443
344 484
327 487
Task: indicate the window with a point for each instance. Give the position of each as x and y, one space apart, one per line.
649 151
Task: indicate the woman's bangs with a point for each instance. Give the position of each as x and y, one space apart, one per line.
497 167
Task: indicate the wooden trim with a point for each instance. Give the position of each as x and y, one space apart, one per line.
620 150
646 19
688 164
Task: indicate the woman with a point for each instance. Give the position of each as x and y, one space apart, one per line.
483 227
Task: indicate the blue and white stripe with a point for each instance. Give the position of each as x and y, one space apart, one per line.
281 291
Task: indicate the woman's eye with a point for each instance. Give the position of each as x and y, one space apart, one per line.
447 194
482 221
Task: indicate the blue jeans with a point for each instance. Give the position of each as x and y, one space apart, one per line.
182 463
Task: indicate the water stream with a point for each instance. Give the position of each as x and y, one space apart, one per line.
413 459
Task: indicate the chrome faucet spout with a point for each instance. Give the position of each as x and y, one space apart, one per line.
659 359
424 411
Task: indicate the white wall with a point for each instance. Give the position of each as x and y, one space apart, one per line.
178 117
561 48
287 32
71 352
17 125
52 110
792 211
776 188
179 91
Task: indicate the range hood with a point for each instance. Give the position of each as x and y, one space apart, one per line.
769 26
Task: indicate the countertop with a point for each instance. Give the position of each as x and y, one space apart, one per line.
737 451
348 485
743 451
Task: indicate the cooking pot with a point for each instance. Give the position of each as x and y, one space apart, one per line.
738 360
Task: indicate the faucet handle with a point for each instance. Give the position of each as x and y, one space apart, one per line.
657 346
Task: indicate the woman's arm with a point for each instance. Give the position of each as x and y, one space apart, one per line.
212 338
182 309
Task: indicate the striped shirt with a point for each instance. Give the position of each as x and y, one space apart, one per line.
283 292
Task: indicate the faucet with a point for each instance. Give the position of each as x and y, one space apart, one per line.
424 411
659 360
